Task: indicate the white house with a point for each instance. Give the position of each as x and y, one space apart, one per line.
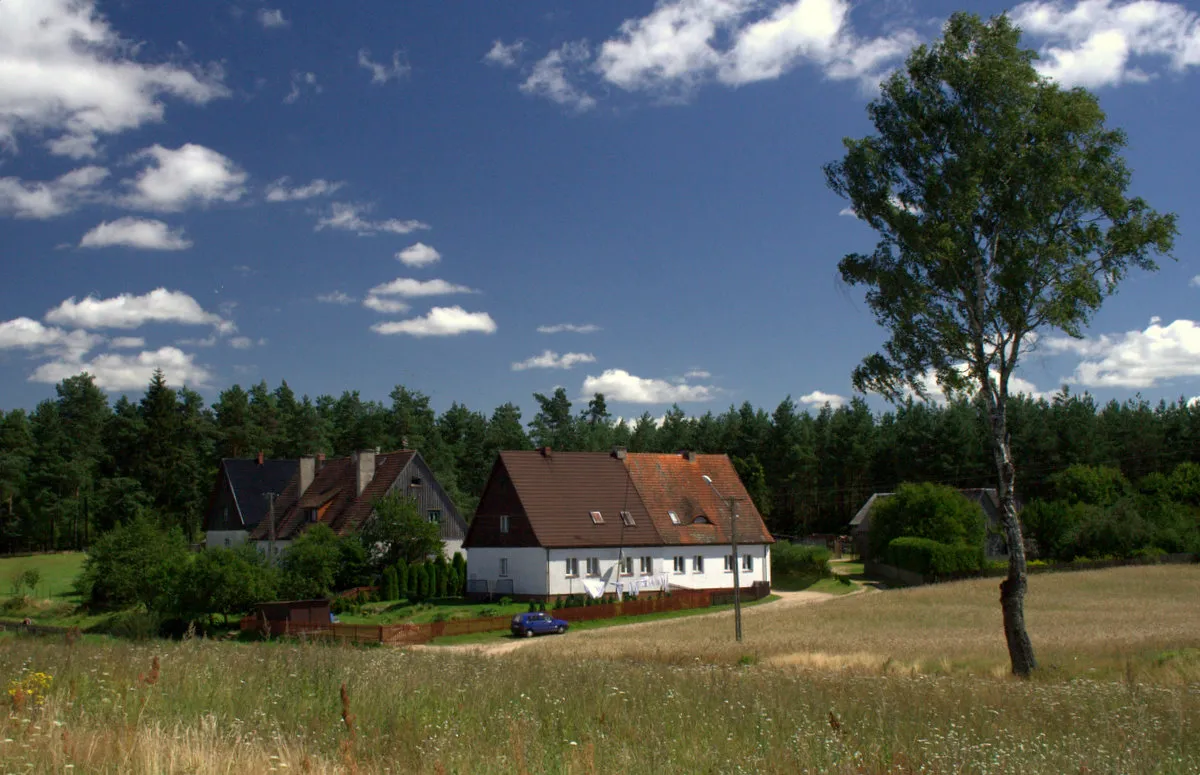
551 524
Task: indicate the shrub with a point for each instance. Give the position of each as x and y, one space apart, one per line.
934 559
506 601
799 560
933 511
403 585
391 584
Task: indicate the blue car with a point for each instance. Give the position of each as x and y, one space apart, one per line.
536 623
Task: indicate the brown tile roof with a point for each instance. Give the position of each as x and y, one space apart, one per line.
675 483
388 466
559 492
333 494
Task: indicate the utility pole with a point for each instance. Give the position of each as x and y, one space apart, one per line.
731 501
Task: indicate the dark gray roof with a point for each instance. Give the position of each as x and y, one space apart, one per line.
251 482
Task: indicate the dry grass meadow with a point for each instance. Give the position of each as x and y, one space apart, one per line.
908 681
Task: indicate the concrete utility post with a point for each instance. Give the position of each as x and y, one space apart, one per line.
737 579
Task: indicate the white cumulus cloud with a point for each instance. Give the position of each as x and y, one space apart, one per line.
47 199
549 77
409 288
1134 359
504 55
419 254
561 328
682 44
345 216
28 334
282 191
620 385
186 176
129 311
1095 43
114 371
552 360
67 74
271 18
380 72
440 321
335 297
819 398
385 305
127 342
141 233
697 374
300 83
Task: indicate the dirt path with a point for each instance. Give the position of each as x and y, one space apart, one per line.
786 600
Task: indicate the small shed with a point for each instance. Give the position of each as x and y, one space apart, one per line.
293 616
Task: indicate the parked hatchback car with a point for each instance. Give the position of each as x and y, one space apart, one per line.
533 623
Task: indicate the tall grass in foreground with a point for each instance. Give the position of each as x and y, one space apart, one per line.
650 701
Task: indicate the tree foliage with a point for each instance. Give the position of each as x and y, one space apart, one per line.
1000 203
926 510
397 531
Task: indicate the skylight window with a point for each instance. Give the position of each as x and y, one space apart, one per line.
627 519
674 517
597 518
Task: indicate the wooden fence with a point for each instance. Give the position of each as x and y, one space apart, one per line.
403 634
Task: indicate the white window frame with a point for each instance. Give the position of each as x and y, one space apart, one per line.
729 563
503 567
680 564
674 518
698 563
434 516
597 517
504 523
626 566
627 519
572 567
647 566
593 566
748 563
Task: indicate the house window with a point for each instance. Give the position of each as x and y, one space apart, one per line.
504 524
503 567
681 564
435 516
747 562
729 563
626 566
225 515
674 517
226 543
593 566
572 567
312 515
627 519
647 566
698 564
701 520
597 518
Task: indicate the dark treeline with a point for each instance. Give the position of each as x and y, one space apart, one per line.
77 465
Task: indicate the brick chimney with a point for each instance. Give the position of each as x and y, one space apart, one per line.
364 469
260 457
619 453
689 455
547 452
308 472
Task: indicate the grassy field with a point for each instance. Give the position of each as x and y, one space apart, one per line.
59 572
906 681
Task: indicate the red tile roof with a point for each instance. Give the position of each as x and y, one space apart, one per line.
674 483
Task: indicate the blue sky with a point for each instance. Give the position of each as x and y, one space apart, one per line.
355 195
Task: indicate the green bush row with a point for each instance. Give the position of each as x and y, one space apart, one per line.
933 559
799 560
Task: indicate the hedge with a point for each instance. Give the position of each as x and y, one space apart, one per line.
934 559
799 560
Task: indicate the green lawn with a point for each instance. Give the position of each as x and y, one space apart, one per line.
595 624
404 612
59 572
831 585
